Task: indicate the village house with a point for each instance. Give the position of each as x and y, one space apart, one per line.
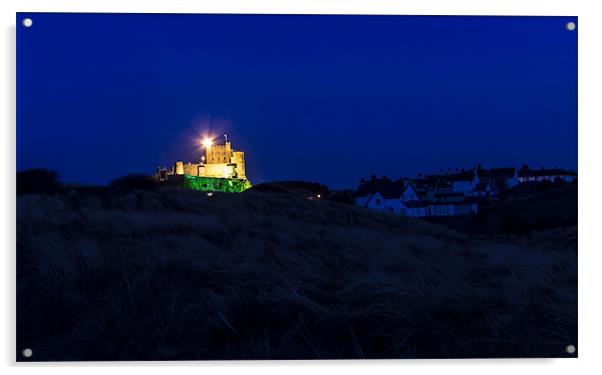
525 174
381 194
404 198
483 190
447 194
464 181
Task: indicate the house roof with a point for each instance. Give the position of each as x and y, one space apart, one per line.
507 172
409 186
460 176
425 182
387 188
442 184
420 182
393 190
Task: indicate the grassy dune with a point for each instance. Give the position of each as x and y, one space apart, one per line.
109 274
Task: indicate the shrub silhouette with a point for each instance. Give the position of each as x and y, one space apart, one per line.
343 196
37 181
134 181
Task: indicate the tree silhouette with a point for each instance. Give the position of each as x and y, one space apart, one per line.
37 181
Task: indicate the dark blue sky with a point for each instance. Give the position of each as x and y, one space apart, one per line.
321 98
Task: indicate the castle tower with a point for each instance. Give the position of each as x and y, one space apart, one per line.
218 154
179 167
238 158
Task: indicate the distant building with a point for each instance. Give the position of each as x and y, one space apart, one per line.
221 168
500 179
464 181
525 174
220 161
416 208
483 189
381 194
448 194
433 198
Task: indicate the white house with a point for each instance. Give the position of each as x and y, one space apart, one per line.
436 198
464 182
382 195
538 175
375 201
415 208
483 190
409 194
395 206
440 209
514 180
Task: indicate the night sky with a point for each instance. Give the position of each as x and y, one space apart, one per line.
322 98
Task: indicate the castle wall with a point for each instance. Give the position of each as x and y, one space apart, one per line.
222 170
191 169
221 162
238 158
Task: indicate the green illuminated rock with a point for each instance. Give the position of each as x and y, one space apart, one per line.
227 185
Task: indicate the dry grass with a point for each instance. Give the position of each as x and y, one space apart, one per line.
173 274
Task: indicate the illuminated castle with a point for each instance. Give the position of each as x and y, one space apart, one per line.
221 169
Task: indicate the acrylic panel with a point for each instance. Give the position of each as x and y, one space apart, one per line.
227 187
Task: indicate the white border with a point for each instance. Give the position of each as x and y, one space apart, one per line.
590 186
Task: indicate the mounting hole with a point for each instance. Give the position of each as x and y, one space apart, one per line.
27 353
570 26
27 22
570 349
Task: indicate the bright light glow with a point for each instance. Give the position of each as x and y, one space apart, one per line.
207 142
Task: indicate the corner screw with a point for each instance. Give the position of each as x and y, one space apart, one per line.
570 26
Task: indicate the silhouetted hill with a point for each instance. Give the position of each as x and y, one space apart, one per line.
301 188
166 274
134 181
